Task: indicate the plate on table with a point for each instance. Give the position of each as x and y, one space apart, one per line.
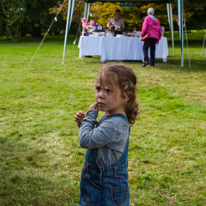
98 33
120 35
109 34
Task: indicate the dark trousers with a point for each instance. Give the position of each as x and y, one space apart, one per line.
149 43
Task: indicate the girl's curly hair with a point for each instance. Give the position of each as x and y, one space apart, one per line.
126 80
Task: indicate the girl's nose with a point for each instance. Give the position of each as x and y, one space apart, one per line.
102 94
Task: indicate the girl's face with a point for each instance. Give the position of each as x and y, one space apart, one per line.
108 96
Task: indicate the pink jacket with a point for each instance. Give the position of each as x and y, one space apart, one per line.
155 31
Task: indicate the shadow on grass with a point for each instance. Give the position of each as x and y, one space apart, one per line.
30 190
30 175
175 64
171 64
28 179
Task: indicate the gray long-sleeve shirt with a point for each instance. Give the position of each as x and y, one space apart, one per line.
108 139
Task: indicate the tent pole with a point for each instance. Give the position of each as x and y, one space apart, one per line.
180 19
170 18
86 10
68 24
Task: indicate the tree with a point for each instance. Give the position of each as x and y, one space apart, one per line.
133 16
63 8
38 14
2 21
28 15
77 14
13 16
197 8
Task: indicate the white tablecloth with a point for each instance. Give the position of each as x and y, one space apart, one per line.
90 46
119 48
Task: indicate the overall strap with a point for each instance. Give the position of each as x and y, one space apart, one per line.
119 115
122 162
90 157
123 117
115 115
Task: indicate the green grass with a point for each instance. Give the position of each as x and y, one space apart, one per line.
40 158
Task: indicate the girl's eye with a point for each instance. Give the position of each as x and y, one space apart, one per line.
98 88
108 90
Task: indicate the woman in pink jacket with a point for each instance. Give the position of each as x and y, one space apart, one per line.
151 25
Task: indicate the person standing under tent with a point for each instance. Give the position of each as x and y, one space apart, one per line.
117 22
151 25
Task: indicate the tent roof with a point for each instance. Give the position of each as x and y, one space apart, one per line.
129 1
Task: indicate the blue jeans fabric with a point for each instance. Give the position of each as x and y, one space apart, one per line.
105 186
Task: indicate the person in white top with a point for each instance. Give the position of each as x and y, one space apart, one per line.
116 22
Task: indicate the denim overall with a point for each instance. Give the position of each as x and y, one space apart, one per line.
105 186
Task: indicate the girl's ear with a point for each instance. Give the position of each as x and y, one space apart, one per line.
125 98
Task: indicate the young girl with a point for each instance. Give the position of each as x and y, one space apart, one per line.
104 179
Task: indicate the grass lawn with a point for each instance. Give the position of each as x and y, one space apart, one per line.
40 157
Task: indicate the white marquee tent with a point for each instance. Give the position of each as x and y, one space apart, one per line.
169 12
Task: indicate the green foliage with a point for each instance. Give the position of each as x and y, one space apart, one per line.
197 8
38 10
14 12
63 8
23 17
77 14
38 16
132 16
2 21
40 156
18 18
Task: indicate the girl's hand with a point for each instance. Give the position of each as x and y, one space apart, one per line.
79 117
94 107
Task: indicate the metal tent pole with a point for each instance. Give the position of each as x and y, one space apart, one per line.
170 18
86 10
68 24
180 19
